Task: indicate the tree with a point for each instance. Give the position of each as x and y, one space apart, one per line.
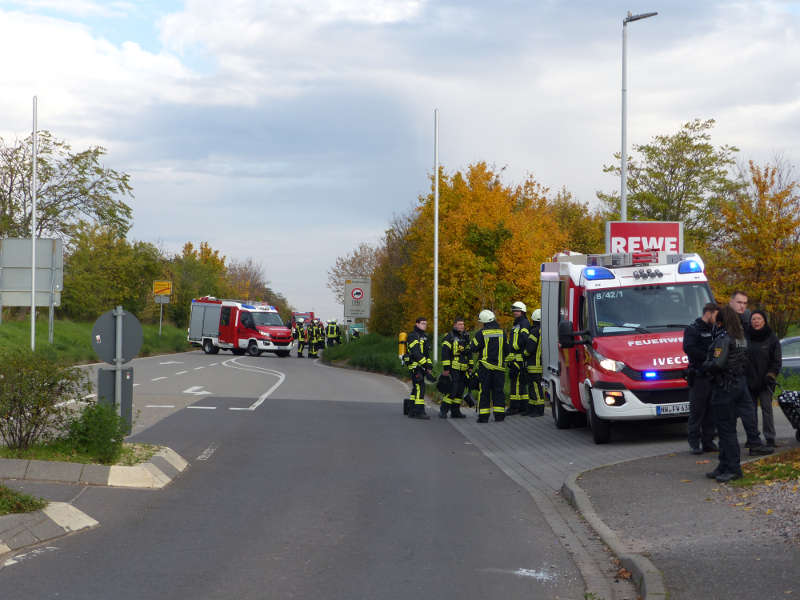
360 262
247 282
104 270
585 229
72 188
756 243
195 273
388 286
679 177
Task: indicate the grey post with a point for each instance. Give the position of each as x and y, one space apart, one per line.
118 312
624 174
33 228
435 235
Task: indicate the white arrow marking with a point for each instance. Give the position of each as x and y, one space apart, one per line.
196 390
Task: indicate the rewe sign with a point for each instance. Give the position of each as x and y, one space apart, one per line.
644 236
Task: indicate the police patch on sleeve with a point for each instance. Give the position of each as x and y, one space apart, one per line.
717 352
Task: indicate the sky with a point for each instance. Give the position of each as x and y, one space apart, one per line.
290 131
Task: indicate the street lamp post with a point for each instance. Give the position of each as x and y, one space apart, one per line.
624 175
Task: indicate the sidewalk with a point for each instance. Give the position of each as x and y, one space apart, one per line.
680 532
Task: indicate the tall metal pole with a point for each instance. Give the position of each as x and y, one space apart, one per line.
624 154
435 235
33 230
624 176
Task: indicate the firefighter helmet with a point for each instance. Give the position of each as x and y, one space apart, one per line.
486 316
536 315
520 306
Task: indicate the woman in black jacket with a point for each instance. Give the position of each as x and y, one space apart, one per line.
765 364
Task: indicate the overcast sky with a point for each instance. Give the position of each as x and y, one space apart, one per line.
291 130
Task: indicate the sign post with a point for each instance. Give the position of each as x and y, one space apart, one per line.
357 298
162 290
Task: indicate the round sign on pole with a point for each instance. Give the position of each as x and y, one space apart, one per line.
357 293
104 337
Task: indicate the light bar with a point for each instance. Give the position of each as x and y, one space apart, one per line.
650 374
690 266
597 273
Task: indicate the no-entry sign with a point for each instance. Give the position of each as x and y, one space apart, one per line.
356 298
644 236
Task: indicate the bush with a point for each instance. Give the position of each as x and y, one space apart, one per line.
99 432
34 396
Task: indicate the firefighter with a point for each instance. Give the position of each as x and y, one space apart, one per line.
316 335
419 367
301 335
488 347
517 351
455 362
534 366
332 335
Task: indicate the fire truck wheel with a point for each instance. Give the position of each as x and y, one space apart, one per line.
601 429
252 349
209 347
561 417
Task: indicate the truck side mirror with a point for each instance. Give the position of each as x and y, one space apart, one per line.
566 337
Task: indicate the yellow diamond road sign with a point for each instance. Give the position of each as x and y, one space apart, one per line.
162 288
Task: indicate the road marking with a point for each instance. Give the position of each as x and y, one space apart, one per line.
198 368
136 384
213 364
158 378
196 390
171 362
28 555
160 406
206 454
181 372
203 407
232 364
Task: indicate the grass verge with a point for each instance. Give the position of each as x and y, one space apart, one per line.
63 450
72 340
371 352
16 502
784 466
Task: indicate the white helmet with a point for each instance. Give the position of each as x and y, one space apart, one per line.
536 315
520 306
486 316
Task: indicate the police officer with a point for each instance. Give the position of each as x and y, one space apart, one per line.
517 344
419 366
697 339
489 351
534 366
455 362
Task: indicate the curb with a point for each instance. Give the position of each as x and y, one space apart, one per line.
160 470
646 576
55 520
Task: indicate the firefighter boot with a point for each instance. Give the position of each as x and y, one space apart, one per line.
443 409
418 412
455 412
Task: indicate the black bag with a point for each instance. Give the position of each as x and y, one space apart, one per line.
444 384
406 405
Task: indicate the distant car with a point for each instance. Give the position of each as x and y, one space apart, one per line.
790 351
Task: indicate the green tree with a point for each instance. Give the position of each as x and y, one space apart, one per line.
361 262
72 188
247 281
584 228
195 273
104 270
679 177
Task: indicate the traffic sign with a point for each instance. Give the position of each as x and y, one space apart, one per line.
162 288
357 293
356 298
104 337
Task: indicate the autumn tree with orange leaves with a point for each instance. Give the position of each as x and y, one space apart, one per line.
756 246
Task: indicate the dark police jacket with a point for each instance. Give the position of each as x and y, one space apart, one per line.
697 339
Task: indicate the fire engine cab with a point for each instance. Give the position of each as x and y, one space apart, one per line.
232 325
612 336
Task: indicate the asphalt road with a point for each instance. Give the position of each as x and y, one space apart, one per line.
305 481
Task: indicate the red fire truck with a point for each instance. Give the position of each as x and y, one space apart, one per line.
302 317
612 336
237 326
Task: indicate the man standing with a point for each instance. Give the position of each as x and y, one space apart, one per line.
331 334
489 350
534 366
738 303
301 335
455 355
420 366
697 339
517 343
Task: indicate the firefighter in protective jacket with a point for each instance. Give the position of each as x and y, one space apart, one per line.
419 366
517 352
300 333
455 363
488 348
316 339
534 366
332 334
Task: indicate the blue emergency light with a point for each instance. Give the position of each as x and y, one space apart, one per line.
650 374
248 306
597 273
690 266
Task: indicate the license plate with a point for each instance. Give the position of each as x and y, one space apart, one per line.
679 408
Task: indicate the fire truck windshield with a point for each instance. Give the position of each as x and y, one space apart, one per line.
647 309
267 319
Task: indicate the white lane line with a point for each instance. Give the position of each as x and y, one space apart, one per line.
181 372
160 406
136 384
198 368
213 364
171 362
203 407
158 378
232 364
206 454
28 555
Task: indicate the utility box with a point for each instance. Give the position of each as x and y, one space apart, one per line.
105 392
